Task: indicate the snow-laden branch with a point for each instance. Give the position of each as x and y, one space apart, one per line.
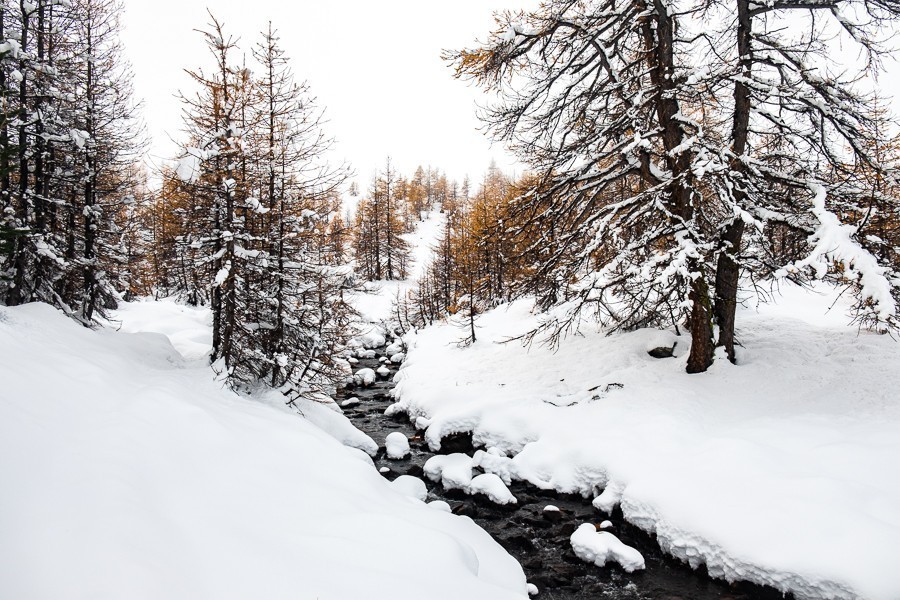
834 244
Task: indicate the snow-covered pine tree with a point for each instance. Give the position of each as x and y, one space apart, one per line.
652 125
210 171
296 322
33 100
104 164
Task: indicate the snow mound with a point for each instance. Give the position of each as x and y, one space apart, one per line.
493 487
397 445
454 471
410 486
601 547
440 505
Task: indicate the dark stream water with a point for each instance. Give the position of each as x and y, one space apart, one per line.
540 541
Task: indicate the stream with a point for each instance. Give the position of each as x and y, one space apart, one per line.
539 540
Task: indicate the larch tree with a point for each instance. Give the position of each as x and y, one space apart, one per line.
302 320
659 129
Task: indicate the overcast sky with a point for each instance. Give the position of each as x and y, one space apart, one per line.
374 64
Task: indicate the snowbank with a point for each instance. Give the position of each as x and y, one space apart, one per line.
128 472
784 470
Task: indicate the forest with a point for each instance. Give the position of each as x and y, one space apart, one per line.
656 359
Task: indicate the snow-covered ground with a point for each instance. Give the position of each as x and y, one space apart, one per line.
128 472
783 470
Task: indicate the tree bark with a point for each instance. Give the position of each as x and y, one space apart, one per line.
727 268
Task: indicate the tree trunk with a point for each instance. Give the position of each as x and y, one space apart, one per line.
701 356
728 269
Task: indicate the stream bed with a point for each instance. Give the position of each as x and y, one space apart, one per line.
539 540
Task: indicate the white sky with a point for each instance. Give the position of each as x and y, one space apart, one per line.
374 64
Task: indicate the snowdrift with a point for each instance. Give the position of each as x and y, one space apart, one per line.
128 472
783 470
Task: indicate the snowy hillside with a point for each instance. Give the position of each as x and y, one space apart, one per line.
784 470
129 473
374 304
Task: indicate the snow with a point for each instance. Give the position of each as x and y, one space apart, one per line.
222 274
189 167
411 487
783 469
454 471
440 505
365 377
610 498
397 445
601 547
350 402
135 474
833 243
383 371
493 487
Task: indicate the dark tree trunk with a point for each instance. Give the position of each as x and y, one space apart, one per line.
701 356
661 41
728 269
16 294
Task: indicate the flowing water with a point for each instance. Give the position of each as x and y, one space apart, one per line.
539 540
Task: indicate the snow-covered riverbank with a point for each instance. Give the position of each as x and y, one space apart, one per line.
128 472
784 470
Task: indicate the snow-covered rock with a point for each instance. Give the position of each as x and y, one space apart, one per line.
383 371
373 338
349 402
365 377
398 358
493 487
396 445
411 486
601 547
454 471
